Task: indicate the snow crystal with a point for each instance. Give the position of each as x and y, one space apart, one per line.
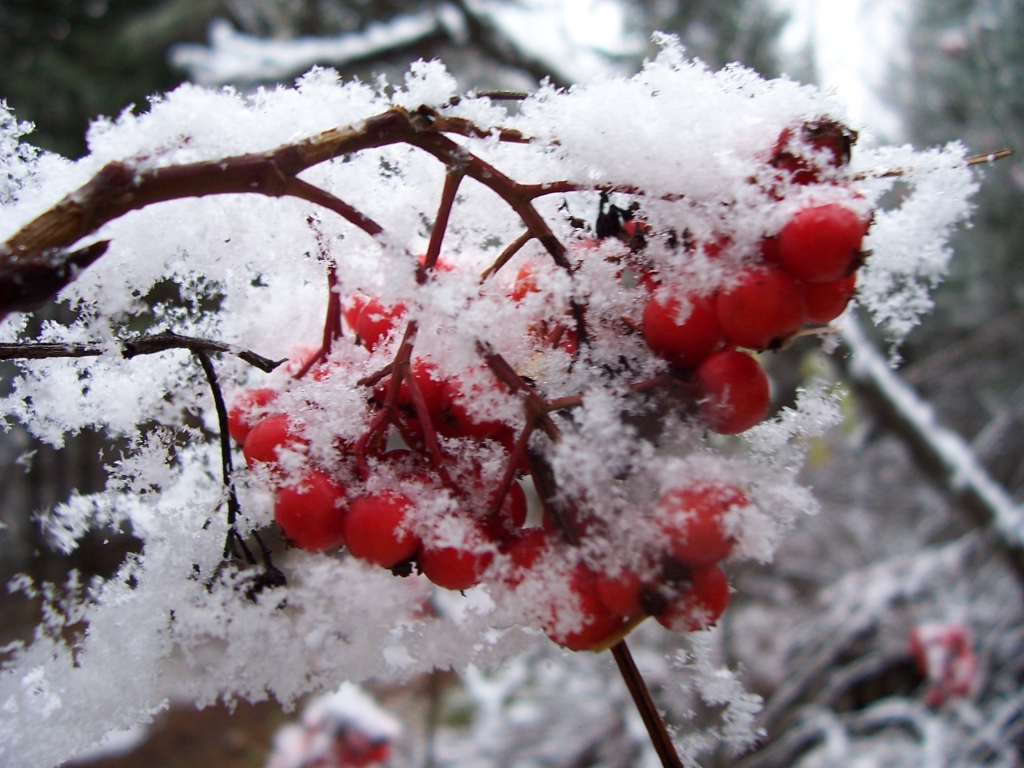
689 145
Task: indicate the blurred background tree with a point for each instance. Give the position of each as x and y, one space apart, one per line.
966 83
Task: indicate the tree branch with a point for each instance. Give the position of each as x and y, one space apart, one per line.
962 471
140 345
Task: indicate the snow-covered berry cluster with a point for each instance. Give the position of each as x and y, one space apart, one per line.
538 379
433 481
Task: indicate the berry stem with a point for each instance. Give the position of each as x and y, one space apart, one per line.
332 320
558 509
227 469
444 209
373 378
509 475
645 705
430 442
510 250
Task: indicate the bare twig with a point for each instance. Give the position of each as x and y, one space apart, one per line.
510 250
645 704
139 345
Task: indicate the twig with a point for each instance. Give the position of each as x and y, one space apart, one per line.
645 704
452 180
510 250
989 157
227 469
139 345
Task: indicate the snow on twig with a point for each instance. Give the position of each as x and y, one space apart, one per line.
964 472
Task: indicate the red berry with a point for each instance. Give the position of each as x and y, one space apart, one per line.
734 392
621 593
684 343
457 567
526 548
691 520
241 411
268 437
376 321
820 244
762 309
701 604
817 145
311 514
648 280
597 621
376 528
455 419
441 265
826 301
526 281
716 246
769 248
352 308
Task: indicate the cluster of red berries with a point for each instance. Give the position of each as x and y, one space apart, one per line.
805 273
677 580
430 499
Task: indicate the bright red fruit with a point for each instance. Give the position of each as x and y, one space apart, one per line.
734 392
375 528
598 621
684 343
376 321
621 593
268 437
242 407
691 520
526 281
701 604
525 549
826 301
762 309
805 152
456 420
311 514
352 308
821 243
769 249
459 567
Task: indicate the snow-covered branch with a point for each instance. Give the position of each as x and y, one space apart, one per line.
235 57
964 473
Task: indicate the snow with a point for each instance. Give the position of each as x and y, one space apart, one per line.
174 621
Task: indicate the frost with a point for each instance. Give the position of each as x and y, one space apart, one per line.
717 687
17 159
690 146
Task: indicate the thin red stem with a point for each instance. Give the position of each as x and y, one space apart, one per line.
444 209
656 729
509 475
510 250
